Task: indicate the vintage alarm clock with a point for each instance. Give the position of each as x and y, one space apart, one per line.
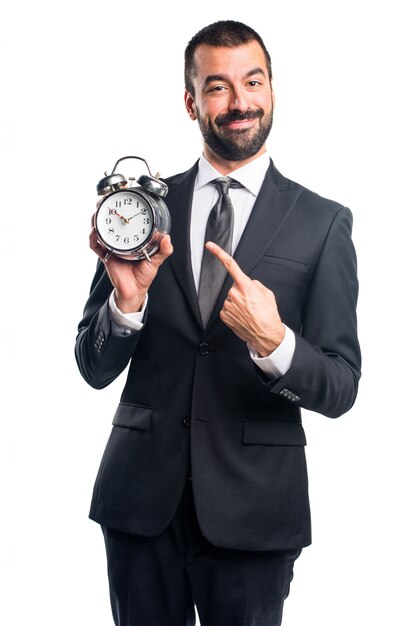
130 221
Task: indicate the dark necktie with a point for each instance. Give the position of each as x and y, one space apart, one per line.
219 229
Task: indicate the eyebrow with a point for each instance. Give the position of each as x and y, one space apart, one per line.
214 77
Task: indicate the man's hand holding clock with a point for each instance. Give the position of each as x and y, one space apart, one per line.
131 279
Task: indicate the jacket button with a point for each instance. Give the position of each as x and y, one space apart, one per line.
203 349
187 420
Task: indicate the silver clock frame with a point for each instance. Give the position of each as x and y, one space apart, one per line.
151 189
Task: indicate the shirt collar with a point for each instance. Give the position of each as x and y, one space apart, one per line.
251 175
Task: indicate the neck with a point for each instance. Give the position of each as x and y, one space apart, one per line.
224 166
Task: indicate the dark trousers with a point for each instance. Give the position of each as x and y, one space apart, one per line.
157 581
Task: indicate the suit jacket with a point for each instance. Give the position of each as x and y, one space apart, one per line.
194 393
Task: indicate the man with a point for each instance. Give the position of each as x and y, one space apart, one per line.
202 491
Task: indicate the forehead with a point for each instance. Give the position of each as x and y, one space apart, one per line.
233 63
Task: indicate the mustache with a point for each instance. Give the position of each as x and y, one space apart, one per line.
237 116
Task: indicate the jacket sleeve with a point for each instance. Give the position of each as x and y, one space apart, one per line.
101 355
326 364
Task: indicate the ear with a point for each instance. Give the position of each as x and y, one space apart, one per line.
190 105
273 98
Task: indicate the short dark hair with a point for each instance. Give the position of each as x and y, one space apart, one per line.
225 33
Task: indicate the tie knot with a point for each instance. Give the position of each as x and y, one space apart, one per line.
224 183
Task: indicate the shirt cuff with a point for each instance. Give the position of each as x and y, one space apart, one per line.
125 323
279 361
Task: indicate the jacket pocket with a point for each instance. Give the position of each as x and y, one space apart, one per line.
273 433
278 260
133 416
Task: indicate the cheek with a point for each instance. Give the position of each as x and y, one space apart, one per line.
211 113
212 108
265 102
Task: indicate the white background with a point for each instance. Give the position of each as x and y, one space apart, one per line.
85 84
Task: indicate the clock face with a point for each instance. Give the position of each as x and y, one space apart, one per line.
124 221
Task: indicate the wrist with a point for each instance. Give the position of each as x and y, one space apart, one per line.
270 343
129 305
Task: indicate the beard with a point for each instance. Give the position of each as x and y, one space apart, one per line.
236 144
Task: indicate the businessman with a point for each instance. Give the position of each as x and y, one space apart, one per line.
244 316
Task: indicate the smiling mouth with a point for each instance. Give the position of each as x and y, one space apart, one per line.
238 125
241 126
246 121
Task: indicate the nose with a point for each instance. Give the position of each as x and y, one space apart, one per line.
238 100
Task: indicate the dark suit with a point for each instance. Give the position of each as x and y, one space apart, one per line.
196 392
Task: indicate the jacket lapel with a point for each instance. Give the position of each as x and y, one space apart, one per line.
274 203
179 201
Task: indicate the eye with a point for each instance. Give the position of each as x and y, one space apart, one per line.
217 88
254 83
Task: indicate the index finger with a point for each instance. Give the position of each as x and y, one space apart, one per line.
231 266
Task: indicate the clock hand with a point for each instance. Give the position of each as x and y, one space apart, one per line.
124 219
132 216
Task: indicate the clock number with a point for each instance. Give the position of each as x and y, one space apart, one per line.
126 240
146 220
127 201
112 211
136 237
118 204
108 220
117 237
111 231
143 210
143 231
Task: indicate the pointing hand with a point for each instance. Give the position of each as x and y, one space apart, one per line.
250 309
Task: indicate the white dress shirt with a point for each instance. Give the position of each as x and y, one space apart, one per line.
251 176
